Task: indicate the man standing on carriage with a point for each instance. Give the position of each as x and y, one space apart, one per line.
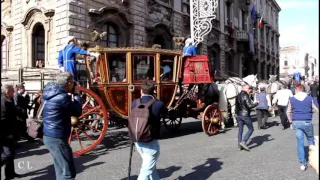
67 56
188 50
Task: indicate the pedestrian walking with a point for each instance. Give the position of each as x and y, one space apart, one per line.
7 133
300 115
244 105
293 86
281 99
306 86
262 108
62 101
144 129
314 88
297 76
22 106
36 102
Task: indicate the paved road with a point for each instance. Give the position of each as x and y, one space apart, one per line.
188 155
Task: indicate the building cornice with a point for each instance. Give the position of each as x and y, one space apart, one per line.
276 5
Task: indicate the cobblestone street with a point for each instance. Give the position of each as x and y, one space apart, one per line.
189 155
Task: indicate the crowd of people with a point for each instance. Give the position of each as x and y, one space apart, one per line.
15 109
295 107
61 101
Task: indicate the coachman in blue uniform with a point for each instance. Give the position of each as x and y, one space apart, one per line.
189 49
67 56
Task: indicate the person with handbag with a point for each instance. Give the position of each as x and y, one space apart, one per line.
22 106
61 101
8 119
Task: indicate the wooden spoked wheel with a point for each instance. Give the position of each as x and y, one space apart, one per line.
92 124
211 120
172 121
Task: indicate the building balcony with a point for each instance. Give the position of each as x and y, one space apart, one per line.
242 36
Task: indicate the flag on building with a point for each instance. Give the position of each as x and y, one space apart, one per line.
260 24
253 13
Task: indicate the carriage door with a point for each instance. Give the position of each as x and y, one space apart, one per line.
117 82
167 78
143 67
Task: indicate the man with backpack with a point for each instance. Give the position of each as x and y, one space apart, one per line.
144 129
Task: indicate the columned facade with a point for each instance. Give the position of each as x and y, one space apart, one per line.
235 46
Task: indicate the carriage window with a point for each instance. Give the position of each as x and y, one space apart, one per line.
117 67
166 68
143 68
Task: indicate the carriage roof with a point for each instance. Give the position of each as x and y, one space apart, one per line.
135 50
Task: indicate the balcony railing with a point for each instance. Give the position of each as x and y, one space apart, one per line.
242 36
262 47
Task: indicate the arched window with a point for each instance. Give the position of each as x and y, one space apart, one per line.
262 70
112 37
3 52
255 65
214 59
38 38
285 63
230 65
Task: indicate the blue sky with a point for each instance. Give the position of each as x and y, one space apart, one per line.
299 25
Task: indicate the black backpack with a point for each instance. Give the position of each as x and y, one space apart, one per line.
139 127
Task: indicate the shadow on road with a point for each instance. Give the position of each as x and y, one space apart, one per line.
273 123
259 140
187 128
25 148
48 172
163 173
115 140
203 171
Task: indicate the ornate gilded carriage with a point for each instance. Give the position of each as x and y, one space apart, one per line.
114 82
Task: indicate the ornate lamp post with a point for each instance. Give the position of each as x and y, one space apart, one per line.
202 13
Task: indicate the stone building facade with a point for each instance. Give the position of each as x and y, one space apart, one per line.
293 59
267 47
32 31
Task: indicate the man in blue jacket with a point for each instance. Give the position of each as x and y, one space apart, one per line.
300 115
59 106
67 56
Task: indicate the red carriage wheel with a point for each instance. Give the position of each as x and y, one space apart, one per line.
92 125
211 120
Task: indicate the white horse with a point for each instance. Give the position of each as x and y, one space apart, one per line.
272 86
228 92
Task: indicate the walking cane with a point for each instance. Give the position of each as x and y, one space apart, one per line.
130 159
